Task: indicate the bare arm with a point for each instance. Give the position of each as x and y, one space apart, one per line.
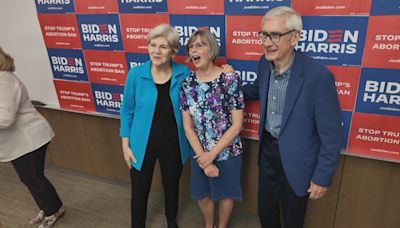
191 133
237 121
211 170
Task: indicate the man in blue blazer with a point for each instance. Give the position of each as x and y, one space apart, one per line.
300 127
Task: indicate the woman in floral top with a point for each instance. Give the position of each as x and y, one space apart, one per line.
212 111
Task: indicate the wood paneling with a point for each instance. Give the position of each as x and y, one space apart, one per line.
369 194
249 177
104 148
185 181
321 212
68 148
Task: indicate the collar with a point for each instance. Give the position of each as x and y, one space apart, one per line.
286 70
176 70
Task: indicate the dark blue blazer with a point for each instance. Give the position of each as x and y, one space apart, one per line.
310 138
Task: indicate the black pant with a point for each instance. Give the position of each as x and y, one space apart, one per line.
30 169
171 170
274 190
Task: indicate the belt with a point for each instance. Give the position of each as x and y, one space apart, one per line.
270 138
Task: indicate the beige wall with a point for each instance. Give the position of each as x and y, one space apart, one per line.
365 193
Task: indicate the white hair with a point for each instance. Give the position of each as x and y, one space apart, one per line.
293 19
169 33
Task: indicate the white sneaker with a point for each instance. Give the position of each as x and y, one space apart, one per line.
49 221
38 219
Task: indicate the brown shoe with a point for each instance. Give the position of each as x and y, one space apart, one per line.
49 221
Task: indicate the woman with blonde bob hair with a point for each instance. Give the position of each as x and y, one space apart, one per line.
24 137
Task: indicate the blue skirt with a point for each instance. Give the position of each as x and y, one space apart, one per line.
226 185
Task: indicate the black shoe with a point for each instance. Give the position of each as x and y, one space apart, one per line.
172 224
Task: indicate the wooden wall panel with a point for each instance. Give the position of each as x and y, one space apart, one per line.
369 194
48 155
104 148
249 178
68 148
184 189
321 212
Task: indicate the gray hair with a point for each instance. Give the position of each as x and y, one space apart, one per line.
293 18
207 37
6 62
167 32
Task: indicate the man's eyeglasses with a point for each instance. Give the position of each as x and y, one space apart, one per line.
274 37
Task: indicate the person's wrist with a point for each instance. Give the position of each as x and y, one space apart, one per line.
213 154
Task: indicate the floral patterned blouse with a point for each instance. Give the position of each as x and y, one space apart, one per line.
210 105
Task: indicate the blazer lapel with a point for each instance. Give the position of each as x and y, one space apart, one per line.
176 74
146 73
293 89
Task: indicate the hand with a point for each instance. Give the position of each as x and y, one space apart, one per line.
128 156
211 171
226 69
316 191
205 159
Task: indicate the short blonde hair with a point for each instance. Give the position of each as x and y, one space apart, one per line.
6 62
166 31
293 18
207 37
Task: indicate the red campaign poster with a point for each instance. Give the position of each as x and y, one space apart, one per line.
242 40
382 44
74 95
332 7
135 28
96 6
346 81
106 67
375 136
196 7
251 120
183 60
60 31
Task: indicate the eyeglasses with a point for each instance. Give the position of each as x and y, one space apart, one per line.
274 37
198 45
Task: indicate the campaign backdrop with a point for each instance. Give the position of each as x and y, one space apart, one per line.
92 44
